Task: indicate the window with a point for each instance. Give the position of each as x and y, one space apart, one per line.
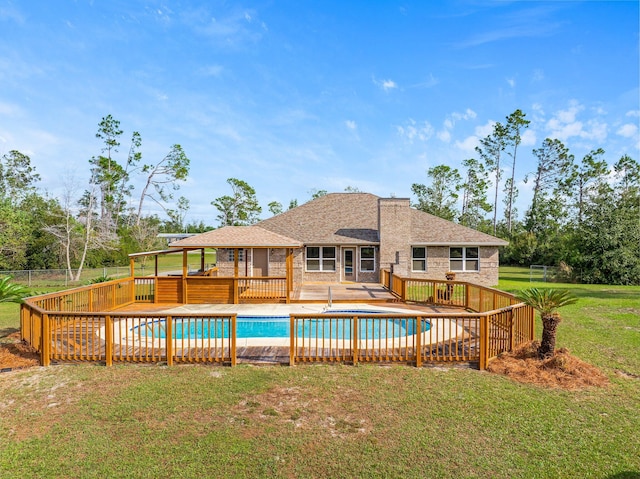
464 259
321 258
418 258
231 256
367 259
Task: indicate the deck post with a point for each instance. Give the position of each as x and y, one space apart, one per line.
418 347
45 338
292 340
232 346
532 322
108 340
354 340
484 342
90 299
185 273
466 296
289 269
169 340
511 329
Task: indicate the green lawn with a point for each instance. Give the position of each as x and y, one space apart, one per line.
334 421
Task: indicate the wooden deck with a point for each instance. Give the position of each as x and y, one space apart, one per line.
342 292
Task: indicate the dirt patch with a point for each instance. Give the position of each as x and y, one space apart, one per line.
562 371
14 354
304 410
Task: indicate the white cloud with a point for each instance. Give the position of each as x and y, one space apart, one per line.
485 130
468 114
449 123
414 131
565 124
468 144
511 82
628 130
569 115
386 85
528 138
444 135
632 113
351 125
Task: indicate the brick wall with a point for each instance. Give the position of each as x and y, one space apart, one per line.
394 226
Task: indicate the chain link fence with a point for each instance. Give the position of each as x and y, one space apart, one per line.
56 278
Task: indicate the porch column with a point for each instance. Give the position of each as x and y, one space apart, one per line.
289 273
236 283
185 273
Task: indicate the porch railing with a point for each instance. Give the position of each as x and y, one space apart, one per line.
210 289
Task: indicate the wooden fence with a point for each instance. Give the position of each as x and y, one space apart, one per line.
122 337
80 325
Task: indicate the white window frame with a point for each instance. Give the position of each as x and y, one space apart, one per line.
321 259
415 258
231 255
465 259
362 270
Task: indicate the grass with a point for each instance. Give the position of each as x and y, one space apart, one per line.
334 421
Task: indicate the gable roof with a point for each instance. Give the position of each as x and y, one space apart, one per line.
237 237
335 218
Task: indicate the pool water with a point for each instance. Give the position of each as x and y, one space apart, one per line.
278 327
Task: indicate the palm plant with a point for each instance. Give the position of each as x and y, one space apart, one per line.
547 301
12 293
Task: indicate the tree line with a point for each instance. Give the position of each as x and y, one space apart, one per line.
584 214
98 225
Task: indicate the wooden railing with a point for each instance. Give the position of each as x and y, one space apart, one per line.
437 337
385 338
124 337
80 324
470 296
205 289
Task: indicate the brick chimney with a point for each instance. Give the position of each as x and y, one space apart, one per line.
394 226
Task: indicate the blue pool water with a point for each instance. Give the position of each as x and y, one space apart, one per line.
278 327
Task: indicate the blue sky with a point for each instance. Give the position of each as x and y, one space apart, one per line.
292 96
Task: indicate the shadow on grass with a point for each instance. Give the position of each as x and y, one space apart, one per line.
4 332
625 475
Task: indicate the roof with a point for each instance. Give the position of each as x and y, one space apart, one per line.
238 237
335 218
352 218
430 230
332 219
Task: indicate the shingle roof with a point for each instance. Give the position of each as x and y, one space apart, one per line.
352 218
237 237
336 218
428 229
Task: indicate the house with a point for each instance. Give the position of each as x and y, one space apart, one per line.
350 237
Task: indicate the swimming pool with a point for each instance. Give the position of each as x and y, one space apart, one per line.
374 326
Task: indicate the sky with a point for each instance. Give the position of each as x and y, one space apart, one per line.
296 96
